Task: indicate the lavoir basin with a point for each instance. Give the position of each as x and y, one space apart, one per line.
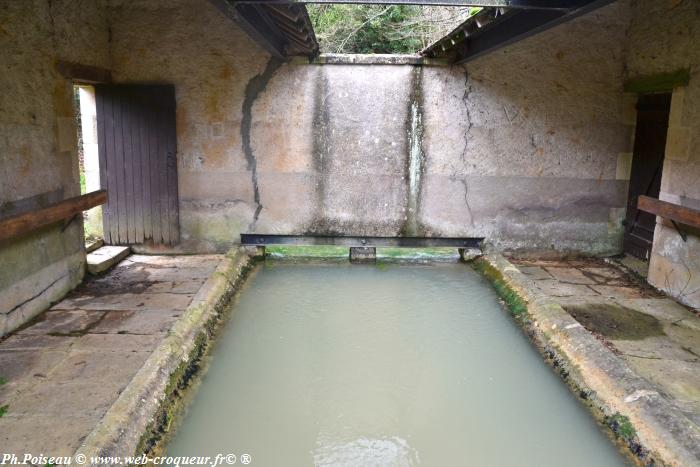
383 365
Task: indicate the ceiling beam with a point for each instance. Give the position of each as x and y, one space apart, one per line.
518 25
251 21
284 30
493 28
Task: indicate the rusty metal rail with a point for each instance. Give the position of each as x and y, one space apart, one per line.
361 241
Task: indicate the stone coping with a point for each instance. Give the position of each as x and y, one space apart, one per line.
369 59
661 435
132 416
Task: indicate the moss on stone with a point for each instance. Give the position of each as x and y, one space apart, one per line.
618 427
180 381
621 426
416 253
513 301
2 381
307 251
335 252
3 410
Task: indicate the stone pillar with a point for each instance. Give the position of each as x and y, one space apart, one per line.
469 254
461 253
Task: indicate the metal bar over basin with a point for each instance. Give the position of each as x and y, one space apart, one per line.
358 241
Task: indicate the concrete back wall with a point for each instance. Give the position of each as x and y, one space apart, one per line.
675 26
528 145
38 152
521 147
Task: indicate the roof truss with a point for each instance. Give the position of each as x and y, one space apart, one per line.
493 28
284 29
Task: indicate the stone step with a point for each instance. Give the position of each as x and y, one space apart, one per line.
93 245
105 257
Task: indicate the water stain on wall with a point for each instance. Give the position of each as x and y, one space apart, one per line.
415 162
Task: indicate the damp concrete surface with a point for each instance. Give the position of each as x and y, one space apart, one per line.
62 372
655 335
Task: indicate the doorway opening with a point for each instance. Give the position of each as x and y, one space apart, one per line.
645 176
89 165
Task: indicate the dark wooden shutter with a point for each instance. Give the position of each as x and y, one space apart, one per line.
138 164
645 177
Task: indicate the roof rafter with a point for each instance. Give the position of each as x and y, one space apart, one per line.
283 29
494 28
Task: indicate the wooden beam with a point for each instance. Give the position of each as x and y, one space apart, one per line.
250 17
83 73
670 211
509 29
22 224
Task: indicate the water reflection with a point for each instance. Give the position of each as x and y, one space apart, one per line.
368 452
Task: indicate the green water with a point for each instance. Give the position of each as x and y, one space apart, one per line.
357 365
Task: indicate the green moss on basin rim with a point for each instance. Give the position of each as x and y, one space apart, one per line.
515 303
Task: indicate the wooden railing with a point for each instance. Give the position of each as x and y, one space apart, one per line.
673 212
21 224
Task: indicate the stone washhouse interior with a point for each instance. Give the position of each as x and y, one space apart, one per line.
221 245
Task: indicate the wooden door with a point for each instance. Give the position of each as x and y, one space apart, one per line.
647 164
138 165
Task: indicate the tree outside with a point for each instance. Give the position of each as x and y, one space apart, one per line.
374 29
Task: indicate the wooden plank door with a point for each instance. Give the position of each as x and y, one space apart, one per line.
647 164
138 164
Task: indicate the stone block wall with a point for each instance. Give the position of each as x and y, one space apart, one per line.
675 26
38 152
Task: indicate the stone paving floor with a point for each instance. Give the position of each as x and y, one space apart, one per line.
64 370
658 337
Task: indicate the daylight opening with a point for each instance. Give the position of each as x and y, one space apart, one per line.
383 29
86 124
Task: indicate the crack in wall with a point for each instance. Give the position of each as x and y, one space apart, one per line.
463 155
52 22
463 181
465 101
508 117
34 297
253 89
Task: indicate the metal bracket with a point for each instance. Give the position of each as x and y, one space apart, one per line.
67 222
680 232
